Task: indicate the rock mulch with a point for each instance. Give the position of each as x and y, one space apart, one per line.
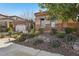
64 49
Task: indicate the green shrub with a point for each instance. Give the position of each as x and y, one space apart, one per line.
38 41
54 31
41 30
32 31
69 30
36 34
60 35
18 33
22 37
69 38
55 44
31 35
15 37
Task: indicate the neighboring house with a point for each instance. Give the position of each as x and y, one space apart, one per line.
19 24
4 22
42 21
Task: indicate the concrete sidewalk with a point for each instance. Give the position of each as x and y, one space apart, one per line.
12 49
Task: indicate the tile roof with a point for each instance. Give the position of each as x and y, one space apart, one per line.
10 17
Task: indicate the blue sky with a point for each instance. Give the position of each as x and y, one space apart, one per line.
19 9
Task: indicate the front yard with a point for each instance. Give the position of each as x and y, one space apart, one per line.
63 43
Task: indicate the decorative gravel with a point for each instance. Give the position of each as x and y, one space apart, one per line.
64 49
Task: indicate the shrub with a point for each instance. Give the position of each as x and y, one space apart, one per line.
2 36
31 35
61 35
69 30
22 37
55 43
38 41
15 37
54 31
69 38
18 33
41 30
36 34
32 31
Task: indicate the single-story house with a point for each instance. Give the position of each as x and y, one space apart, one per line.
19 24
42 21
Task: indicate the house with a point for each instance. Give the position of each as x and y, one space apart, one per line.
42 21
4 22
19 24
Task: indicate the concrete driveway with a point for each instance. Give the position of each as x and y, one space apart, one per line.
12 49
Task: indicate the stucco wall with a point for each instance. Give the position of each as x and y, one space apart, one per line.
58 23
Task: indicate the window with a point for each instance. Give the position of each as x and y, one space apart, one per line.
53 22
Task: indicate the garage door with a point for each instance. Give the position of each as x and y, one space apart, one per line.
20 28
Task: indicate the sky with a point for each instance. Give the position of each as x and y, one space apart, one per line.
25 10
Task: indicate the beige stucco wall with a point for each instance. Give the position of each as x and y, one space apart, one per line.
1 16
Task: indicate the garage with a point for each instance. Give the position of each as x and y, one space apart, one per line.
20 28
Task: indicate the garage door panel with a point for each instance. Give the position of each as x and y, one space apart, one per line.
20 28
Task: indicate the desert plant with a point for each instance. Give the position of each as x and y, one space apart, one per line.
55 43
38 41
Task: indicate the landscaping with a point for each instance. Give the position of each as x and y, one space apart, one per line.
54 28
61 42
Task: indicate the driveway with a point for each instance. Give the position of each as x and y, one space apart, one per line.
11 49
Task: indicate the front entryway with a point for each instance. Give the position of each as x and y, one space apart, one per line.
42 23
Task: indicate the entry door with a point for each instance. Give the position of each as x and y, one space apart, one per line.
42 23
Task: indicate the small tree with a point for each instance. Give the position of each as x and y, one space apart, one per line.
63 11
10 29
